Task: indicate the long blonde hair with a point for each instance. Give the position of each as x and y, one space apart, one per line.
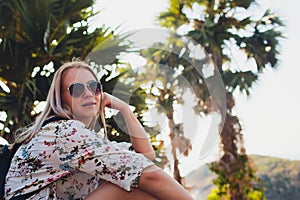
53 105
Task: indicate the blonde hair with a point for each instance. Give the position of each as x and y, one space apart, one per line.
54 106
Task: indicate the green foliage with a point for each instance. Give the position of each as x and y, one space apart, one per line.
236 183
241 80
256 195
173 18
35 37
217 194
220 194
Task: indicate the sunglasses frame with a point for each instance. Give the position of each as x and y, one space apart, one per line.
84 88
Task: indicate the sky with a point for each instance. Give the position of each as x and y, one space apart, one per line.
270 116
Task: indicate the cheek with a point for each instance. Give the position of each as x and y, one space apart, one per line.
66 100
98 100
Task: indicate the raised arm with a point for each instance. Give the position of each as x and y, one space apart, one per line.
138 136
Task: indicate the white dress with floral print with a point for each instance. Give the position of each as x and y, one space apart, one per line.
69 161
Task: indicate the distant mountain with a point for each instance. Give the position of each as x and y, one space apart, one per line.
199 182
281 178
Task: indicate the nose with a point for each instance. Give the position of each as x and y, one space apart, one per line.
87 92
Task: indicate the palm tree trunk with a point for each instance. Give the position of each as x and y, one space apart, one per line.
173 133
230 161
233 168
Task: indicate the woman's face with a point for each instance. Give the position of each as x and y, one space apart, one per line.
85 106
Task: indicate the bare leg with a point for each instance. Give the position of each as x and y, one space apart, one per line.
158 183
109 191
154 184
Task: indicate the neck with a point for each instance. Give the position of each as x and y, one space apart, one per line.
86 121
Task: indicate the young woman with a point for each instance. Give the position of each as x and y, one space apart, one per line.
66 159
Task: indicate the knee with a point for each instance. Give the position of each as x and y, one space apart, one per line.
152 175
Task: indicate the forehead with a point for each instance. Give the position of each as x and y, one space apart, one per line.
80 75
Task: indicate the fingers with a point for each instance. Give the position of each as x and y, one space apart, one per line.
106 100
103 102
111 101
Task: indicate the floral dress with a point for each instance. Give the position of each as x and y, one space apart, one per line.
65 160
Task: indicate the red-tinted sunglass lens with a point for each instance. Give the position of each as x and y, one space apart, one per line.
95 87
76 89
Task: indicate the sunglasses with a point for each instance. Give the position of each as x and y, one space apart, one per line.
77 89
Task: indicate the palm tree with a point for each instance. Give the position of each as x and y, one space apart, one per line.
166 89
35 37
219 27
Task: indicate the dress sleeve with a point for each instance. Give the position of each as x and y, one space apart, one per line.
87 151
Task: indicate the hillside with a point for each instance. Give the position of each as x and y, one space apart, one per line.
281 178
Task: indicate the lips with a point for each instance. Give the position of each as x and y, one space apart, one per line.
89 104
